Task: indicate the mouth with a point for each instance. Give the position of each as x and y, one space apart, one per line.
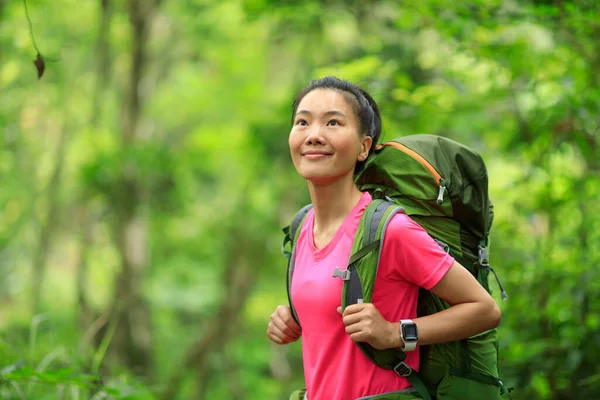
316 155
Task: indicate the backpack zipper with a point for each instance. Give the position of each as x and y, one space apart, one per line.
426 164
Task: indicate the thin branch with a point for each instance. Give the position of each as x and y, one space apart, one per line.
103 60
31 28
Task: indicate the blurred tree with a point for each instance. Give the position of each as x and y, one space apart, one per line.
130 310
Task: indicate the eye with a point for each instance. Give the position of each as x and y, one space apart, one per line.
333 122
301 122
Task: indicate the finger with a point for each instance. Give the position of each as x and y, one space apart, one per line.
367 310
280 326
339 310
355 308
354 328
276 330
276 339
278 336
353 318
286 329
358 337
285 315
271 334
294 327
273 337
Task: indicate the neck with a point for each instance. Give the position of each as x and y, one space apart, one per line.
333 202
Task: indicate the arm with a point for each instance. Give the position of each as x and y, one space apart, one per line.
416 258
472 311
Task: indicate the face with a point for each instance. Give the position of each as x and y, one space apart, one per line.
325 141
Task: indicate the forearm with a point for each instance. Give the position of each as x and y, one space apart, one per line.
458 322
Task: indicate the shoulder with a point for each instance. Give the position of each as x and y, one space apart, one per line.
404 235
401 226
412 254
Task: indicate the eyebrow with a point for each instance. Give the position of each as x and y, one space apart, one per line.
326 113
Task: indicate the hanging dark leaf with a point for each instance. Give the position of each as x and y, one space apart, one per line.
40 65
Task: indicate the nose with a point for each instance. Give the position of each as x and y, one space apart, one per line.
315 137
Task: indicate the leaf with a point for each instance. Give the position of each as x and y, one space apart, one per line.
40 65
112 391
13 367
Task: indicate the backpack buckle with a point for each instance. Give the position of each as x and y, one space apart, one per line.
403 369
483 256
344 274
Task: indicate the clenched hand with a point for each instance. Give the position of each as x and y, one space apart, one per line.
282 328
364 323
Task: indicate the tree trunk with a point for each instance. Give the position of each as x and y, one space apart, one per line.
87 221
132 341
48 224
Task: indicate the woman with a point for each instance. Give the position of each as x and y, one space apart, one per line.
335 126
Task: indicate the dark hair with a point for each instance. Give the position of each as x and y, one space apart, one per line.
363 104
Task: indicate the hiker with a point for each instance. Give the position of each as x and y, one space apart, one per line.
336 126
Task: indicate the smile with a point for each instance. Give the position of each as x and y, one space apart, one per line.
315 156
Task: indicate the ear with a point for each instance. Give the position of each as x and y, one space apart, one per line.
366 143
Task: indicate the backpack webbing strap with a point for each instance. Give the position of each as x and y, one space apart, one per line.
416 381
364 251
291 236
465 358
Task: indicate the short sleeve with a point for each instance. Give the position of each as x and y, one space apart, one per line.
409 253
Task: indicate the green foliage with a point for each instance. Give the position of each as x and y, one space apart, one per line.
209 175
41 370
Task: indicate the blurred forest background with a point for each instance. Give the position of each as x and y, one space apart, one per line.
145 177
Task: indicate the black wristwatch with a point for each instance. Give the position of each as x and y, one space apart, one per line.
409 334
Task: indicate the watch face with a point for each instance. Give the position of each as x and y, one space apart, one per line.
409 332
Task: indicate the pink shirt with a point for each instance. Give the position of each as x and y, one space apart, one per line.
334 366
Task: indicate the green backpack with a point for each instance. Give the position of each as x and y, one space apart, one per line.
443 186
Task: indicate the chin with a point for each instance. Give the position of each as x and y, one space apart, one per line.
317 178
321 177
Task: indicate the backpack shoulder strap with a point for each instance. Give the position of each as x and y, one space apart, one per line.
363 262
291 233
360 279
